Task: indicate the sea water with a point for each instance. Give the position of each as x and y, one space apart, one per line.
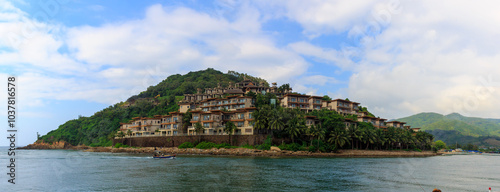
67 170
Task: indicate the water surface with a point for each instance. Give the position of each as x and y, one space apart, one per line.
65 170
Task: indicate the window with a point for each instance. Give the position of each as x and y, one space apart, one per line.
293 99
206 117
250 116
206 125
318 101
175 119
195 118
248 130
241 116
168 126
175 132
240 124
293 105
175 126
302 100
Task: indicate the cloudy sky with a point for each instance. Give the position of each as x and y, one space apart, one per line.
397 58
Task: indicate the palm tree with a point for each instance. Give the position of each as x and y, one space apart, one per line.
311 132
294 127
229 129
261 117
276 121
339 138
353 132
198 128
121 134
369 136
390 136
129 133
380 138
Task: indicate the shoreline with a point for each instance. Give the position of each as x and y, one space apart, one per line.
249 152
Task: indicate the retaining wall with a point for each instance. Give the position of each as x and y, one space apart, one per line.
174 141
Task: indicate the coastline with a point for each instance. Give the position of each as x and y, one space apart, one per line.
242 152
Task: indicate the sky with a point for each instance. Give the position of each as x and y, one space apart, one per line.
397 58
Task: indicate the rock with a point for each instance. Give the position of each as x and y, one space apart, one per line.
273 148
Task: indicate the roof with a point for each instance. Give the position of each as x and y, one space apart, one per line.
319 97
396 122
232 91
345 101
295 94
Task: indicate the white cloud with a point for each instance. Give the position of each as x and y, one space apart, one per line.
430 58
324 55
111 62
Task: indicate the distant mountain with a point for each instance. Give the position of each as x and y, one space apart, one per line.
456 128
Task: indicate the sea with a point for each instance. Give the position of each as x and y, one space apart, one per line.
68 170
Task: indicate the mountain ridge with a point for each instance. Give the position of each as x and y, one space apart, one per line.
457 128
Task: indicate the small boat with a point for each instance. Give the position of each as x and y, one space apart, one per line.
163 156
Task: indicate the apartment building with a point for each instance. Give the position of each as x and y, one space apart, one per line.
217 106
144 126
343 107
315 103
292 100
214 121
396 124
171 124
311 120
230 103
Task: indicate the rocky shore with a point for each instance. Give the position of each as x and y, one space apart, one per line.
265 153
274 152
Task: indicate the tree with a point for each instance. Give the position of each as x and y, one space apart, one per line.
129 133
368 136
339 138
276 121
121 134
439 145
229 129
295 125
198 128
326 98
261 116
186 121
380 138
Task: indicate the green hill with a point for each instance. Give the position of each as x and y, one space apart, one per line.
456 128
98 129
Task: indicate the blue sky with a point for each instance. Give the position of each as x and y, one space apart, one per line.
398 58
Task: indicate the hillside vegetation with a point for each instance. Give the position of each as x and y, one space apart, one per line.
98 129
455 128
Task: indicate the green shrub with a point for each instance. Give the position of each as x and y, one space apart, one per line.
264 146
290 147
205 145
247 146
118 145
186 145
312 148
223 145
417 149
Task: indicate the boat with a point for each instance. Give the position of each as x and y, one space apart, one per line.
164 156
159 155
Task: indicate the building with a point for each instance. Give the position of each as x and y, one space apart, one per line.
238 89
214 121
216 106
343 107
171 125
396 124
143 126
293 100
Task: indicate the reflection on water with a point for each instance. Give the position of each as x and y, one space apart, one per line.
62 170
